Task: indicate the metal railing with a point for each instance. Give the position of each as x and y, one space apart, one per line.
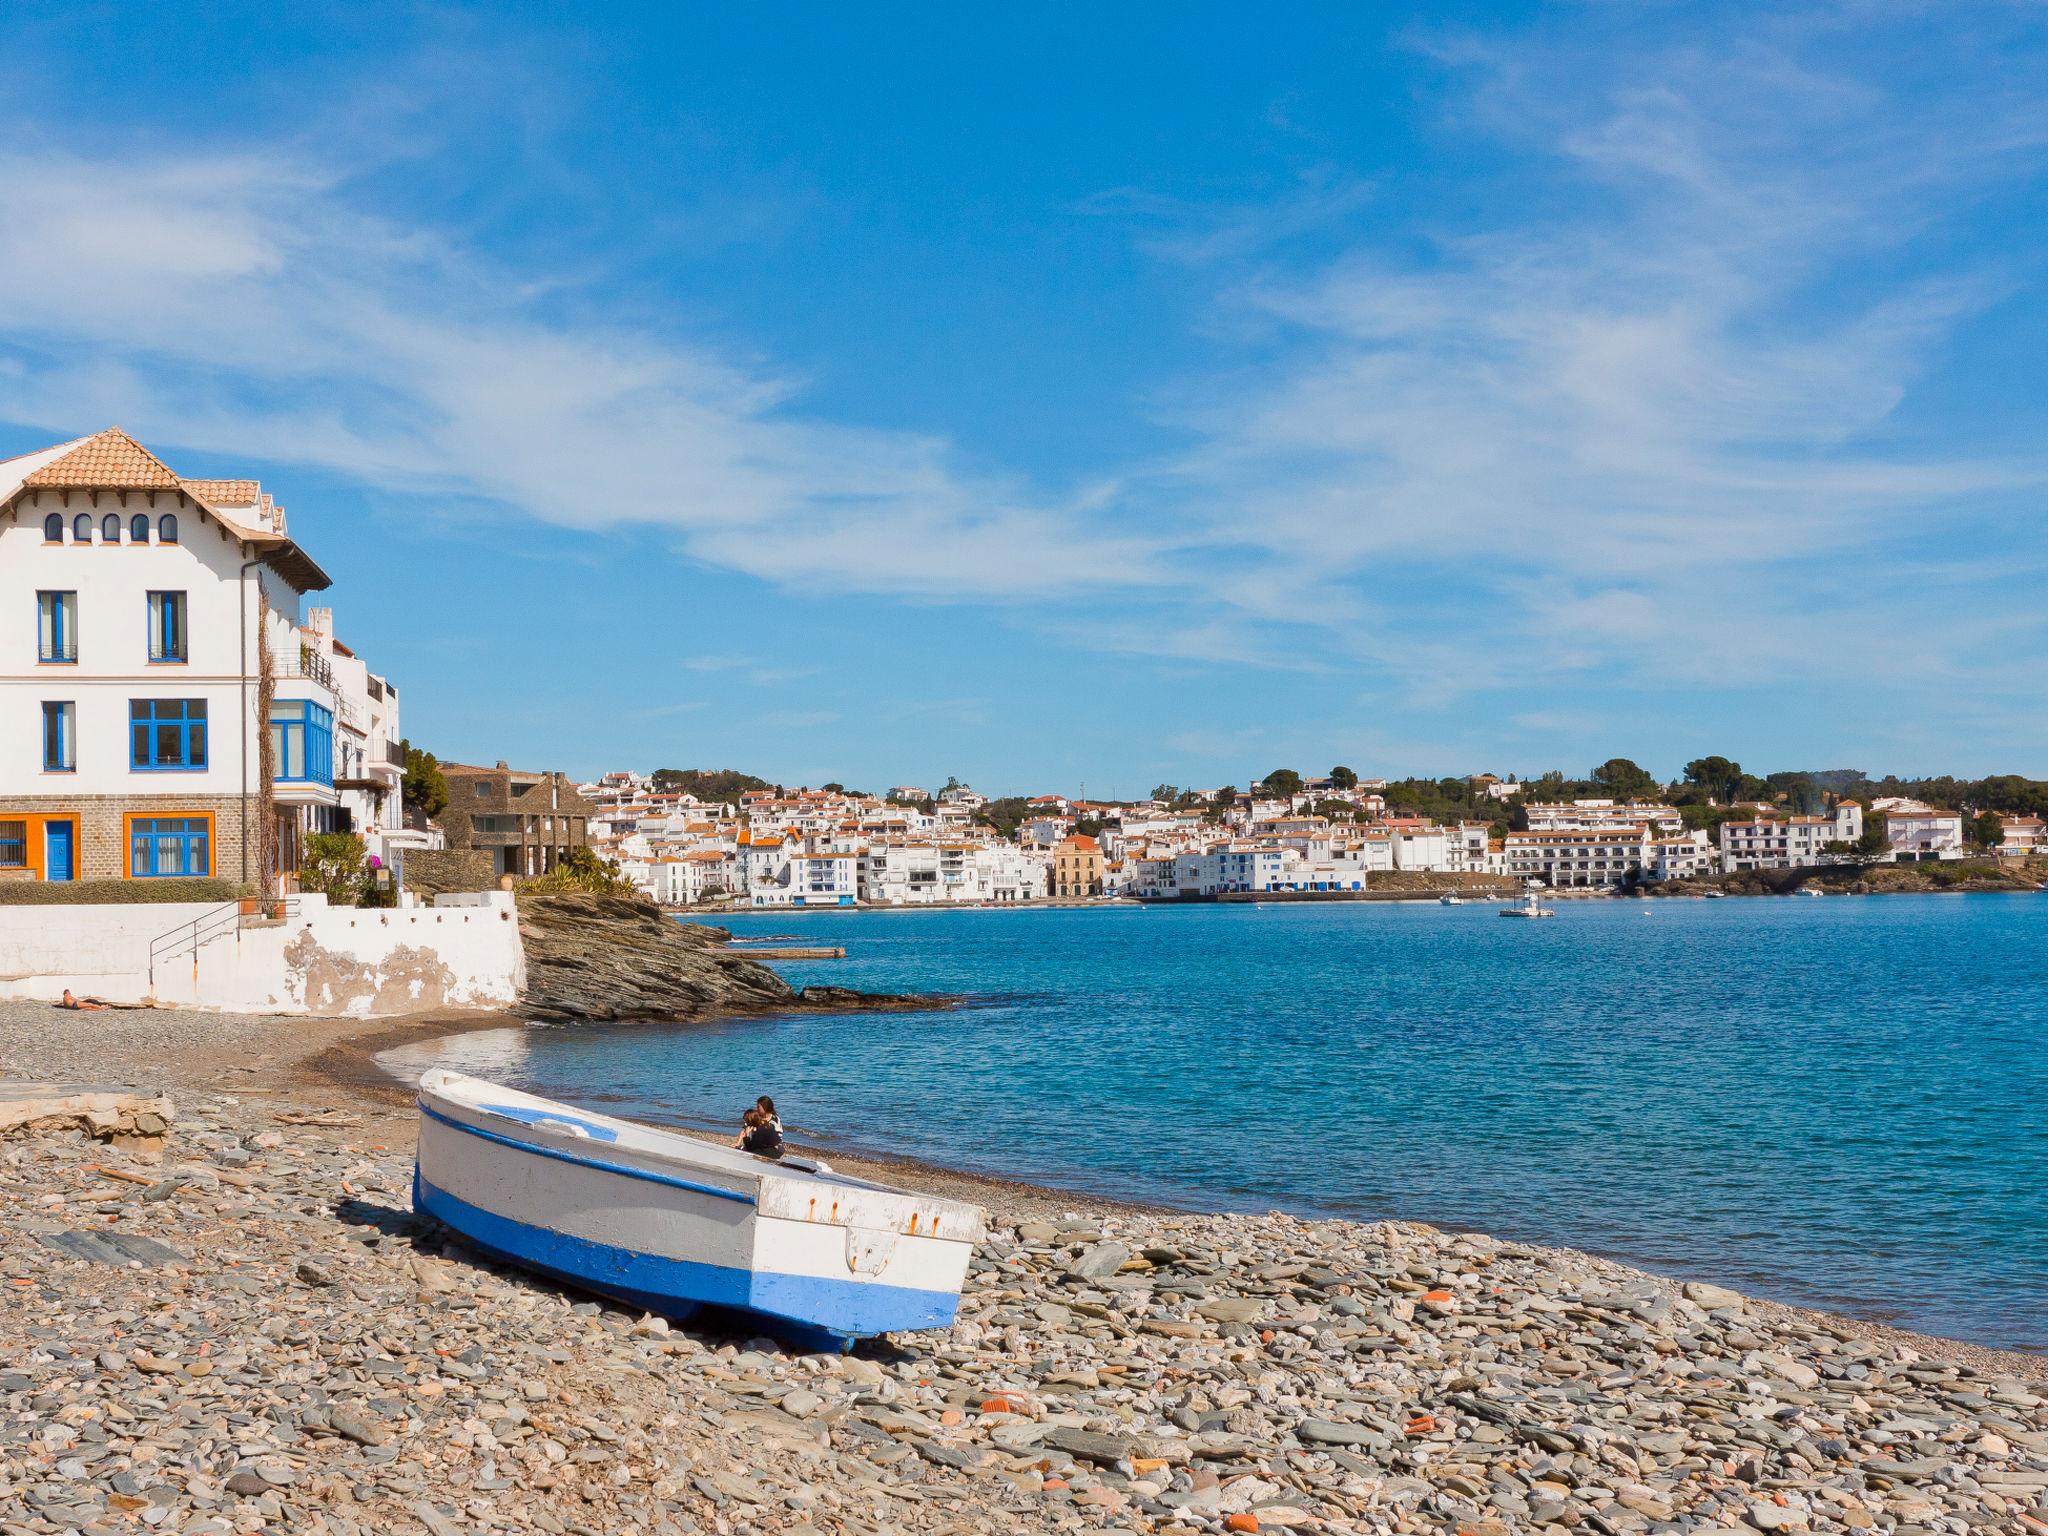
209 926
309 664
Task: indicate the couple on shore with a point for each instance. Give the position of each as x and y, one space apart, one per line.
761 1130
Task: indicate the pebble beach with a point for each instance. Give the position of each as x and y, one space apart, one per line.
293 1351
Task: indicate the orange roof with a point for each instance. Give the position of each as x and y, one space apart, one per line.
109 460
228 493
1082 844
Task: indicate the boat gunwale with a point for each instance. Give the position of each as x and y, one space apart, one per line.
561 1155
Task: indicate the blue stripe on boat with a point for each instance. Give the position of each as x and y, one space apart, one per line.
526 1116
803 1305
623 1170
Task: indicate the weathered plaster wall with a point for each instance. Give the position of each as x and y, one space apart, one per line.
324 960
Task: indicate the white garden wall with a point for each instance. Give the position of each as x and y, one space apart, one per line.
330 961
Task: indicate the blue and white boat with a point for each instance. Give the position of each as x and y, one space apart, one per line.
675 1225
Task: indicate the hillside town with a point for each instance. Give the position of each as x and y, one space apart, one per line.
1334 837
186 711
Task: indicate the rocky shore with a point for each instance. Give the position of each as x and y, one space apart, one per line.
255 1334
592 958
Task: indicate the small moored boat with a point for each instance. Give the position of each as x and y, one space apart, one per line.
1528 907
1450 899
675 1225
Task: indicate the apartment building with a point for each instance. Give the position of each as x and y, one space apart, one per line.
1077 868
1788 842
1598 856
523 823
1590 815
153 615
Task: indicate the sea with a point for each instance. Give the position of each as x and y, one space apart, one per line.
1839 1103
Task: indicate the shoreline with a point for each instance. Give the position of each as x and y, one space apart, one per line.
350 1065
281 1343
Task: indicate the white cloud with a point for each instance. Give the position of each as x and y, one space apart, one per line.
1634 411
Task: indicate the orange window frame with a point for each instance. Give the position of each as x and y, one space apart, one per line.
37 863
128 820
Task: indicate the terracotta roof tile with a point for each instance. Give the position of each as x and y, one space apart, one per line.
226 493
109 461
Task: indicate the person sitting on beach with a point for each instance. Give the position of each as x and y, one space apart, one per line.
762 1136
767 1107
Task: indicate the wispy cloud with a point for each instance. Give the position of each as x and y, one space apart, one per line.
1641 409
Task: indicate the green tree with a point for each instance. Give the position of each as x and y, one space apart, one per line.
1718 777
1343 778
1986 830
1281 781
1874 840
1166 794
1620 779
581 869
425 788
713 784
333 866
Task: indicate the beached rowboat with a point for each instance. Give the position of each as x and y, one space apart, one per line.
674 1225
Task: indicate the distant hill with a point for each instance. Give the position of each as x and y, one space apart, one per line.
718 784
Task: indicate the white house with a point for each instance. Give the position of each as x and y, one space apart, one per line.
1788 842
1925 834
151 614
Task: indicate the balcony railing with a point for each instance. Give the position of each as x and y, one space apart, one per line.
307 663
57 650
394 754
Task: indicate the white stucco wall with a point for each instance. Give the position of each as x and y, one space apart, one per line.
328 961
113 583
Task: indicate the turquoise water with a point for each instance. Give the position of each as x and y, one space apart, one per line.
1838 1103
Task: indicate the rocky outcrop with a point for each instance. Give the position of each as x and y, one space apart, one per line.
618 957
597 958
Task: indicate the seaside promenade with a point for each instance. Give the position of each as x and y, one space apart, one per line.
309 1358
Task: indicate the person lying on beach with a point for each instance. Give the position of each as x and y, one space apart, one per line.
81 1004
762 1136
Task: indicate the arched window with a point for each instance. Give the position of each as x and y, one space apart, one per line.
167 529
81 528
138 528
110 528
53 528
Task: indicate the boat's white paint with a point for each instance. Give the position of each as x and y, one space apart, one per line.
790 1218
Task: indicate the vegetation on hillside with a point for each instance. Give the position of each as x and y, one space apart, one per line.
714 784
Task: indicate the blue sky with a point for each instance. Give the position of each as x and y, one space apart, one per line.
1059 399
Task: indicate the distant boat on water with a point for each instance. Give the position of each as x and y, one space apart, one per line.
1450 899
1528 907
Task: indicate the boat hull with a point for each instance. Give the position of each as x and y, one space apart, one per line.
619 1210
817 1312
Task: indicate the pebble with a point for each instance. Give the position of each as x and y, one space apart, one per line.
323 1362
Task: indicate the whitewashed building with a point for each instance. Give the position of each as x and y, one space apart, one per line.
1925 834
1788 842
151 611
1598 856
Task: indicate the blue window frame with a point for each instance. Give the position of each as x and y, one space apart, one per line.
138 528
59 747
13 844
166 626
53 528
56 626
110 528
166 733
302 742
167 529
160 847
81 528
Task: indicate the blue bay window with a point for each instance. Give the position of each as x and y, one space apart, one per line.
160 847
56 626
166 626
166 733
302 742
59 749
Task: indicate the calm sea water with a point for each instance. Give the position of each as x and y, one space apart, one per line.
1841 1103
